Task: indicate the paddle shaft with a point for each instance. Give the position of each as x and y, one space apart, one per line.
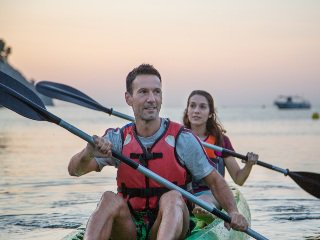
244 157
46 115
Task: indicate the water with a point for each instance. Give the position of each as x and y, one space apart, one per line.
39 200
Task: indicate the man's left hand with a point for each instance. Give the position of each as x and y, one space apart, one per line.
238 222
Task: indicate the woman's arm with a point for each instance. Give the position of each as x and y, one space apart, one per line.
240 175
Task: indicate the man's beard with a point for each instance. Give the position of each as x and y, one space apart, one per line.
150 117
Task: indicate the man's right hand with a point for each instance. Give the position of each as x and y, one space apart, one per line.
102 147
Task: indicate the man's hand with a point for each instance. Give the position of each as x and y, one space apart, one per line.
238 222
102 147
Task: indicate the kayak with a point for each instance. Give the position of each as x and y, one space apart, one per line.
216 229
213 231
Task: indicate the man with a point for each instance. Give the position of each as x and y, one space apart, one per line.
142 207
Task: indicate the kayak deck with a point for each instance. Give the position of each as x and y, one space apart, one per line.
77 234
213 231
216 229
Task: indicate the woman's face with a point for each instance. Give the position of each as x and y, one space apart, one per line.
198 110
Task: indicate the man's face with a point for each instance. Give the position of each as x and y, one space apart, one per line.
146 97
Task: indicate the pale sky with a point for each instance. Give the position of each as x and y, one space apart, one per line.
242 52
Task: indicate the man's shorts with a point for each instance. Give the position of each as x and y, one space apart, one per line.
144 222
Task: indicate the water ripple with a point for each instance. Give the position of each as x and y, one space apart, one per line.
30 221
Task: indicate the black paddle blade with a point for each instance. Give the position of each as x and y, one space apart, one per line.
66 93
308 181
17 97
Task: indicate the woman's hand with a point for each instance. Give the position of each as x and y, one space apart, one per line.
252 158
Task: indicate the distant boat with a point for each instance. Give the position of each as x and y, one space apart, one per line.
292 102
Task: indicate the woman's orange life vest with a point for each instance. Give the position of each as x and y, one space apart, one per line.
218 160
142 192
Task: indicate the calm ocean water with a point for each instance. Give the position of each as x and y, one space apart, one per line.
39 200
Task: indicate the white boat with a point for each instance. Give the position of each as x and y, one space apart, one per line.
292 102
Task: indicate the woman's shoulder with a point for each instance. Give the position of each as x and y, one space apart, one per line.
225 137
227 143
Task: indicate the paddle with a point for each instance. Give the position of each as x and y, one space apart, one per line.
70 94
310 182
25 102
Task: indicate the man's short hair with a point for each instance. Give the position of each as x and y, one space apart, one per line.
143 69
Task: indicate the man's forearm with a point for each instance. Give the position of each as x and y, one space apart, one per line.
79 163
221 191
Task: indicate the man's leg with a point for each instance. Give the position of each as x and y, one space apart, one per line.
111 218
172 221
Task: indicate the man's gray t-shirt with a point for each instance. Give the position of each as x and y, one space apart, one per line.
188 148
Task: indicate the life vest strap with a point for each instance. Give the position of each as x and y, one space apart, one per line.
144 192
146 156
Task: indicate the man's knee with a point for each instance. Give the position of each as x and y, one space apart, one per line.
112 201
172 197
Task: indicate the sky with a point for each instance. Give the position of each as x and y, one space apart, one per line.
242 52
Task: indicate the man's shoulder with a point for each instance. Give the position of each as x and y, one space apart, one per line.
187 138
127 128
173 123
119 130
117 134
177 129
111 131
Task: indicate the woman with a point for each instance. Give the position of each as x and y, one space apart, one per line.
201 118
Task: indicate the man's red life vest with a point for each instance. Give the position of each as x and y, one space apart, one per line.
142 192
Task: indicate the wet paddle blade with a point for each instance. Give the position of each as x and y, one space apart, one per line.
13 94
308 181
67 93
